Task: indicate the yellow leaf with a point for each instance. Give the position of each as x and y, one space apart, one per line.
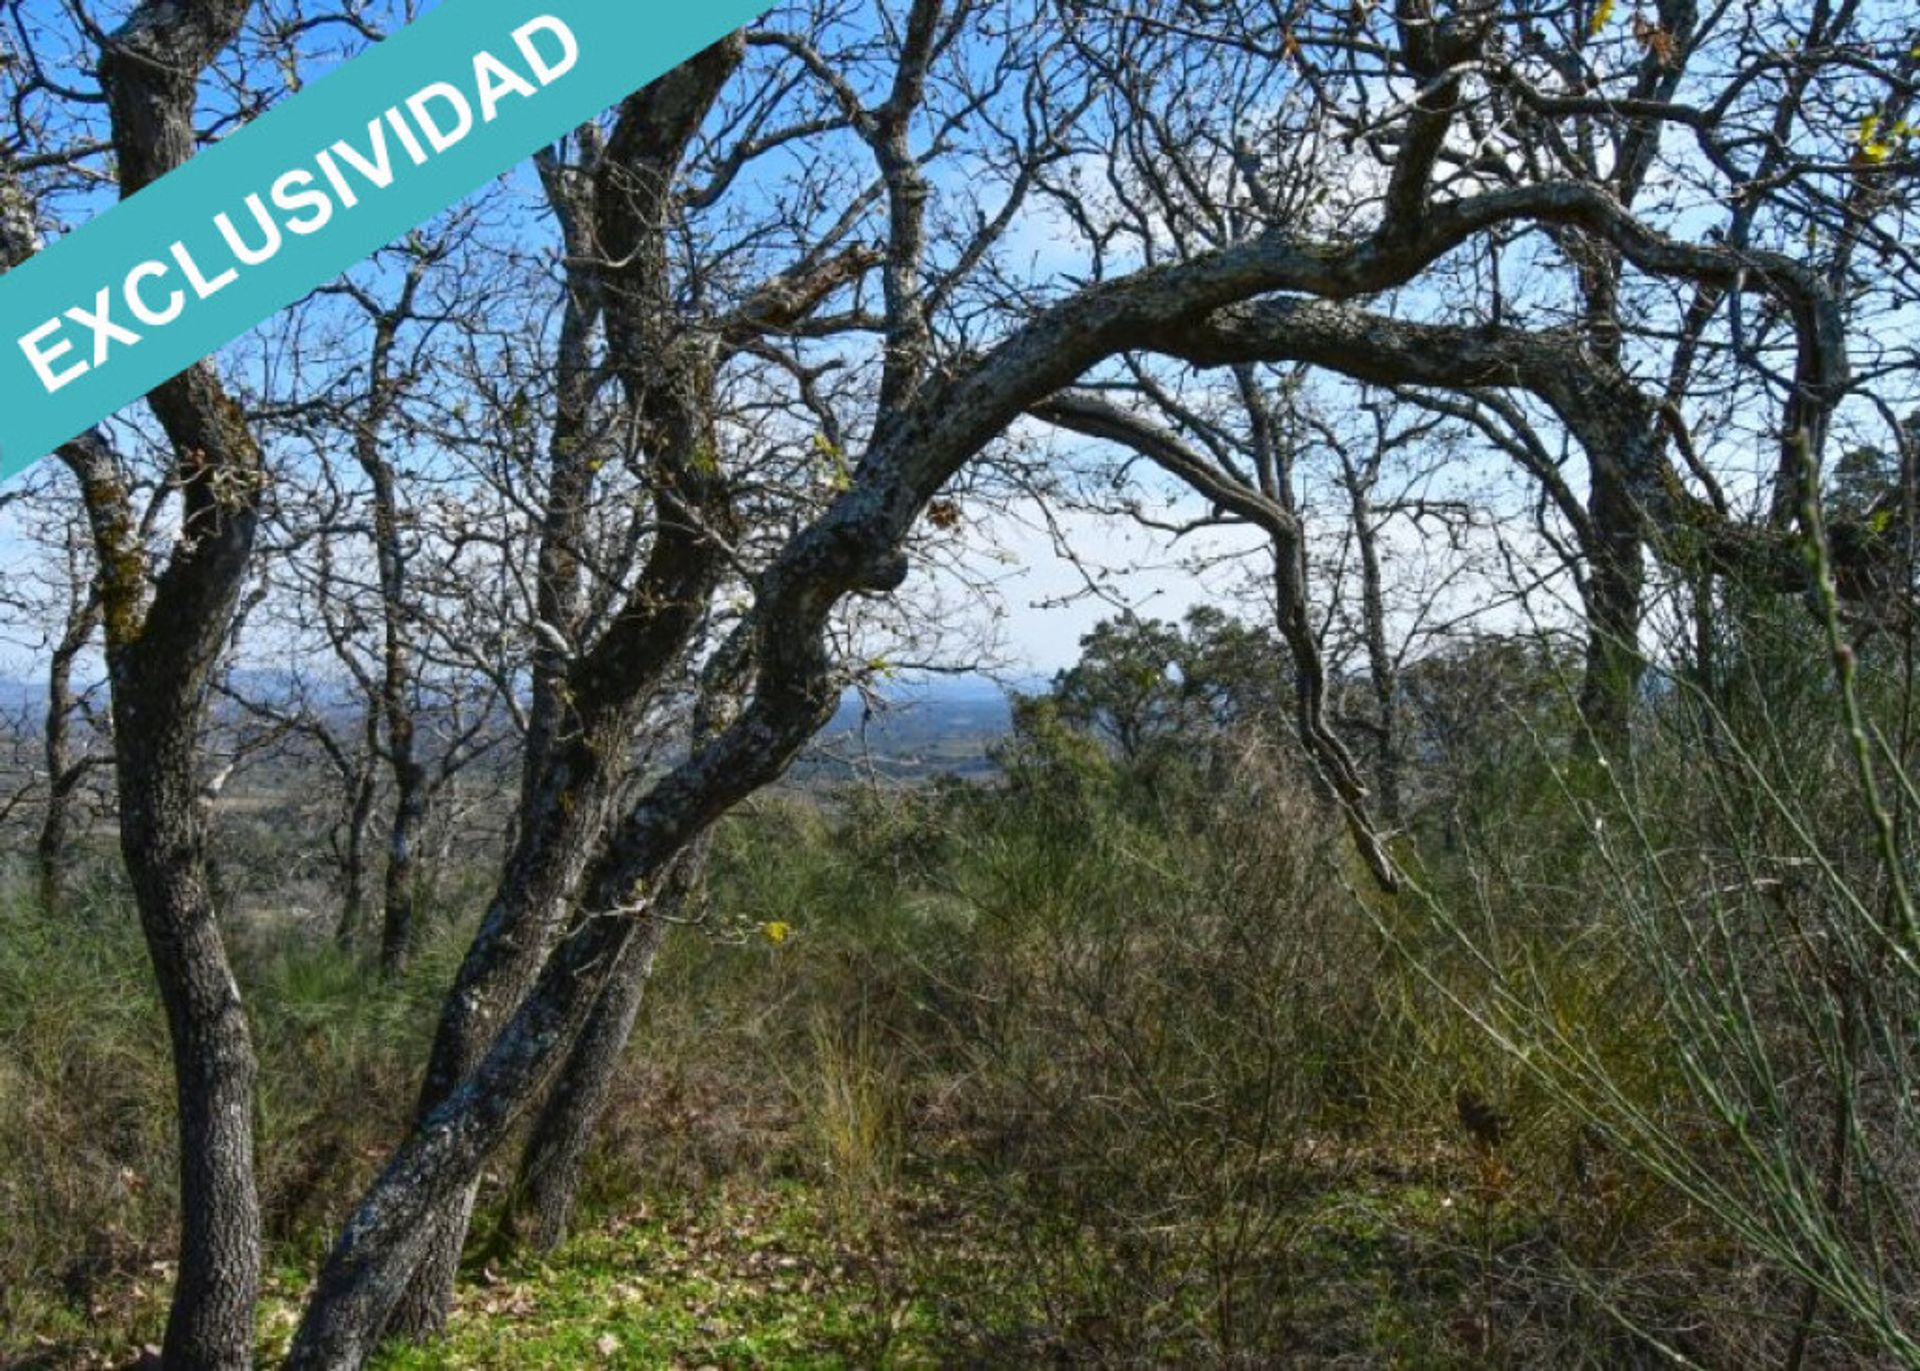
1872 147
1602 16
833 464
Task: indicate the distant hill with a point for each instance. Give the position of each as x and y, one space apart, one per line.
933 726
920 728
22 697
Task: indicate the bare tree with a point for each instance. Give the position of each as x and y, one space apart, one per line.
1251 476
397 692
68 765
58 604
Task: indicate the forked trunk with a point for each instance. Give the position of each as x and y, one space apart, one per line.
542 878
549 1180
548 1184
666 371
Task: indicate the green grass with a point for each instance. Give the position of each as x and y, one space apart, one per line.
744 1280
765 1276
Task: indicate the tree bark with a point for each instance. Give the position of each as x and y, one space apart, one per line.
401 889
53 848
548 1185
163 842
1615 583
353 898
549 1179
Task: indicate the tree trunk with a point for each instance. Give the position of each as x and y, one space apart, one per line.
160 663
1382 675
549 1179
353 900
578 760
431 1178
164 639
1615 570
548 1184
52 850
399 906
542 879
1615 580
211 1324
434 1171
400 920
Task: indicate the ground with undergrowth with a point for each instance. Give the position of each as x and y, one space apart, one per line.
1083 1068
770 1276
767 1278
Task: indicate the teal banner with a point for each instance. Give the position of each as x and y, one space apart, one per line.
305 192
